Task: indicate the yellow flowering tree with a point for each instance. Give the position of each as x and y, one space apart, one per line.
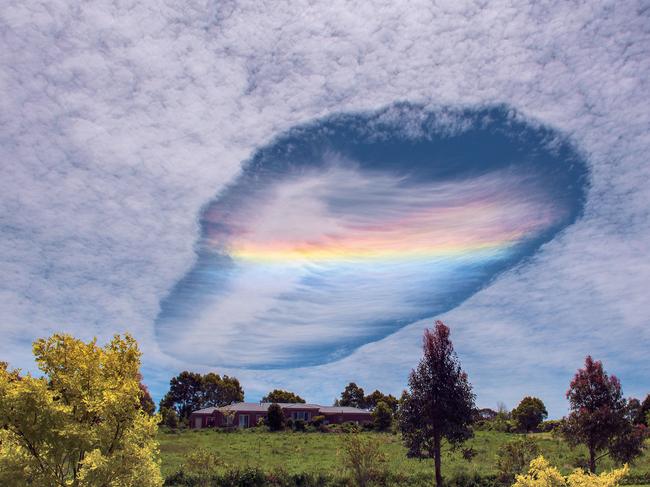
80 424
542 474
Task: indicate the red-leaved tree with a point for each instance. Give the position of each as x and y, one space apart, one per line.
439 403
600 417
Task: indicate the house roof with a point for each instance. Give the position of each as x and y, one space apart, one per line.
342 409
204 411
256 407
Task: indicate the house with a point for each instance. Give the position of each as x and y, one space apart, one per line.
246 414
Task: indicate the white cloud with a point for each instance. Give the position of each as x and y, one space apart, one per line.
119 121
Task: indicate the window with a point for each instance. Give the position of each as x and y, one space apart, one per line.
304 415
243 420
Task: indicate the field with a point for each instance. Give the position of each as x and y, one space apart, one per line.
319 453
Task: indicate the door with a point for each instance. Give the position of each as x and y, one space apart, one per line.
243 420
198 423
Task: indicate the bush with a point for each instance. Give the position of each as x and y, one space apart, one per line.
363 459
350 427
317 420
382 416
275 417
299 425
169 417
542 474
550 425
514 457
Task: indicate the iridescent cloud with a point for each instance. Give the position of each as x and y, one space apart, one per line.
345 230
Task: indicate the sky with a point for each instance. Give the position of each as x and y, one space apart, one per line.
291 192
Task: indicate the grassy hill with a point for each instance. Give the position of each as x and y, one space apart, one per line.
316 453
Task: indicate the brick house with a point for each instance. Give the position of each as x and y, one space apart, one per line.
246 414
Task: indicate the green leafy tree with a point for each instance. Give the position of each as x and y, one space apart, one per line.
185 394
275 417
352 396
190 391
600 418
371 400
278 395
382 416
80 424
439 403
529 414
220 391
169 417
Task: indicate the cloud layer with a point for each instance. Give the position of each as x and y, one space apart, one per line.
120 121
342 232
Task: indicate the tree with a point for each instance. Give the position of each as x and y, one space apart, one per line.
220 391
371 400
169 417
439 403
382 416
185 394
275 417
146 402
80 425
530 413
352 396
190 391
600 417
277 395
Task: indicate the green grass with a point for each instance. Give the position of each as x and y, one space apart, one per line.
319 452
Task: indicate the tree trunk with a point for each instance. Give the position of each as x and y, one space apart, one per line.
436 458
592 459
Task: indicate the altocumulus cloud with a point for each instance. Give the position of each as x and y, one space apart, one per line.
120 122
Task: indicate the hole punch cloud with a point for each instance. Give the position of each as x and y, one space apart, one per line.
344 230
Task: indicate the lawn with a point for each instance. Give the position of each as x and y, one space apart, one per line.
318 452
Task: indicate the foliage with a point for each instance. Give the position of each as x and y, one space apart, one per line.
317 420
440 402
513 458
599 416
313 453
529 413
550 426
278 395
352 396
201 461
542 474
382 416
190 391
372 400
364 459
81 423
275 417
146 402
299 425
169 417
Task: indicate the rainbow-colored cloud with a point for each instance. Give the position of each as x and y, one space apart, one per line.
345 230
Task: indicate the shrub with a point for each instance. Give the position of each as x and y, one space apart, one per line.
275 417
363 459
550 425
317 420
350 427
382 416
169 417
299 425
542 474
514 457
